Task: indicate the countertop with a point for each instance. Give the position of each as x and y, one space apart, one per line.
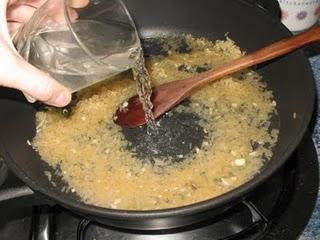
312 231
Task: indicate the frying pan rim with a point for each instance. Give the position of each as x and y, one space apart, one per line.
201 206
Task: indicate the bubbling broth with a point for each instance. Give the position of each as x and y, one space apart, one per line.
213 142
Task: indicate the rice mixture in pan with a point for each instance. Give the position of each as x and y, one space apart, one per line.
210 144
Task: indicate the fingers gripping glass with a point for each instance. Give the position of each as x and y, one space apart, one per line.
80 46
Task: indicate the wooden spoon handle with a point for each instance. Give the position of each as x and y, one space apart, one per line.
262 55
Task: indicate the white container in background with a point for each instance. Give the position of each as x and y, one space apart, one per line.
299 15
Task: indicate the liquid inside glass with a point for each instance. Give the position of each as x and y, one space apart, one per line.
90 53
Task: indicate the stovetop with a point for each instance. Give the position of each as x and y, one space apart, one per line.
281 215
279 209
312 231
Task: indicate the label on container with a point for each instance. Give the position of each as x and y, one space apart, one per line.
299 15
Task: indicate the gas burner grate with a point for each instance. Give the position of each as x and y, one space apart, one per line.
82 226
258 226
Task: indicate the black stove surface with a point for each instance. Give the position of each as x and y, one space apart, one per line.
278 210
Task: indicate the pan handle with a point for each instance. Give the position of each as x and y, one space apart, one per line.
3 170
10 186
270 6
14 192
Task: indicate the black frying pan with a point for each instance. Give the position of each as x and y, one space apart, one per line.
290 79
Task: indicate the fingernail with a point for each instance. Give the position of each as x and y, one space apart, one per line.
63 99
78 3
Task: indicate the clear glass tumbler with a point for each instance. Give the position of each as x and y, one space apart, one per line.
80 46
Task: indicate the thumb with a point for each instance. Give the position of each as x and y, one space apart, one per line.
20 75
15 72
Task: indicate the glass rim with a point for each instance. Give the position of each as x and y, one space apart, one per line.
78 40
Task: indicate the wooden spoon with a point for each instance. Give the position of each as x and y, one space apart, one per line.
168 95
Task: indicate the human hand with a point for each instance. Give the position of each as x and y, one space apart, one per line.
15 72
